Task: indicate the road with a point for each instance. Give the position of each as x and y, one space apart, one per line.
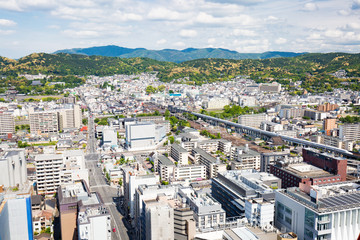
98 184
110 198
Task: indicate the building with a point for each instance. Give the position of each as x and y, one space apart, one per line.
349 132
13 168
244 158
190 172
328 125
328 211
216 103
252 120
327 107
233 188
326 161
184 223
131 181
208 212
315 115
94 223
165 167
270 87
109 137
15 217
179 154
335 142
260 212
52 170
159 220
72 199
140 135
296 175
290 113
44 122
7 123
271 126
213 165
70 117
271 158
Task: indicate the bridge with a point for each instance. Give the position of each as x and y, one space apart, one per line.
239 128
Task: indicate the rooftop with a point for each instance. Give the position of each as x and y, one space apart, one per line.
304 170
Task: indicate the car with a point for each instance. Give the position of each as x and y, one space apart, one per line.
114 230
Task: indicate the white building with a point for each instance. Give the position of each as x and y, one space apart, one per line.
179 154
13 168
7 123
349 132
44 122
52 170
216 103
15 217
93 224
140 135
330 211
259 212
70 117
244 158
109 137
252 120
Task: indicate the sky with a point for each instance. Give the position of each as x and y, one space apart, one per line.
246 26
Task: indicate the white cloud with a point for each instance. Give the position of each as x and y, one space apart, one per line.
179 44
281 41
244 32
310 7
81 34
162 13
187 33
7 23
161 41
211 40
6 32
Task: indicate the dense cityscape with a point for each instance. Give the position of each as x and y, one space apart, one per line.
130 157
179 120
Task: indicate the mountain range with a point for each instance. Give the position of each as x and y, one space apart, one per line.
173 55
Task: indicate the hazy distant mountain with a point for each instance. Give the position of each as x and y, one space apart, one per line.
172 55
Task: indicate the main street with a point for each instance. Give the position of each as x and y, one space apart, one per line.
98 184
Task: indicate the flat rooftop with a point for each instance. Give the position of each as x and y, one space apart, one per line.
304 170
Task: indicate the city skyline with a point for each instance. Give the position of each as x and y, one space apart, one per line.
243 25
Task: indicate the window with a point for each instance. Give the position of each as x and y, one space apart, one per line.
280 216
309 233
281 206
288 220
288 210
309 218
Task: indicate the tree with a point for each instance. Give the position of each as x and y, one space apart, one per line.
150 89
85 121
120 182
167 114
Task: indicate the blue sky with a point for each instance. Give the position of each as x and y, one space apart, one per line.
28 26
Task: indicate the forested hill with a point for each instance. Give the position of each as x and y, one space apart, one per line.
313 69
173 55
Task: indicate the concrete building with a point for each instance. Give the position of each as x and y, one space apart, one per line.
244 158
335 142
109 137
15 217
290 113
349 132
315 115
233 188
165 168
184 223
270 87
208 212
216 103
159 220
70 117
179 154
213 165
252 120
7 123
326 161
94 223
328 211
327 107
74 198
140 135
271 158
328 125
13 168
260 212
296 175
44 122
190 172
271 126
52 170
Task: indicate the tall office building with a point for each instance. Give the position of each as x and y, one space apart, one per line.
13 168
7 123
349 132
70 117
94 223
329 211
44 122
15 217
140 135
